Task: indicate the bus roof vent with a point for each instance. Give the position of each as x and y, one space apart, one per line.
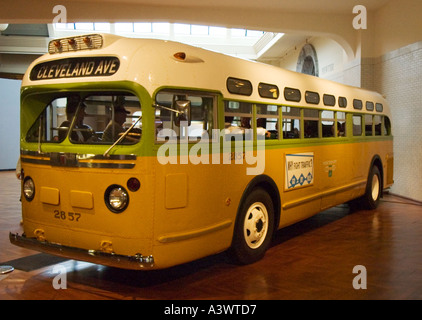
77 43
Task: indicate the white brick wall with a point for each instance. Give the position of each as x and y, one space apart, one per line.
398 76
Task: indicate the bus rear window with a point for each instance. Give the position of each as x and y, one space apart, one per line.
91 119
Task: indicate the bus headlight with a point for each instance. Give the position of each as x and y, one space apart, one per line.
116 198
28 188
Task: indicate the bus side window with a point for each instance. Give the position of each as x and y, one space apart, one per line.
291 122
201 116
386 126
368 125
378 125
341 124
238 120
357 125
327 120
311 121
267 121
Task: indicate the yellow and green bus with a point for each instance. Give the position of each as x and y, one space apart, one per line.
140 153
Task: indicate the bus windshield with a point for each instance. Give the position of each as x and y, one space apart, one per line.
96 118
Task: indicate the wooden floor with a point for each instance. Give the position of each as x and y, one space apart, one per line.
313 259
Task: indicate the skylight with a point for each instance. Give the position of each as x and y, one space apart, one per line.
238 42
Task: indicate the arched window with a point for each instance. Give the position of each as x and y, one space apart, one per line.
308 61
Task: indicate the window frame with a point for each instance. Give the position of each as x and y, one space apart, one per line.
289 120
357 116
71 128
334 124
311 118
212 123
312 97
295 95
369 105
248 89
342 102
328 103
357 104
263 88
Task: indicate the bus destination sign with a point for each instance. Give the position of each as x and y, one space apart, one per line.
75 67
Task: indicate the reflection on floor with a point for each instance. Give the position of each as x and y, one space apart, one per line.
313 259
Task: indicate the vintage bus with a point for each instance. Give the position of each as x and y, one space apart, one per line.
141 153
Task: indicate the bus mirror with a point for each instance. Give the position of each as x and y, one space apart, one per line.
182 107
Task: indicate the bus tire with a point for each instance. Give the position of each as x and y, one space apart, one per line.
373 189
254 228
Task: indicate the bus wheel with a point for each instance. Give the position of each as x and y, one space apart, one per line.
373 189
254 228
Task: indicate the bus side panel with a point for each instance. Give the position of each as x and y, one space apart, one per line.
196 206
340 174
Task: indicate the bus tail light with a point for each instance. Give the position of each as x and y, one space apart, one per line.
28 188
116 198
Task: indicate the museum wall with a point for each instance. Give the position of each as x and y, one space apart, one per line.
11 65
389 61
332 61
15 63
392 65
9 129
396 25
398 76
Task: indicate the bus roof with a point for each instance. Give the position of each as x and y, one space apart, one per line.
159 63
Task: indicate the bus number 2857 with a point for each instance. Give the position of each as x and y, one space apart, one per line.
71 216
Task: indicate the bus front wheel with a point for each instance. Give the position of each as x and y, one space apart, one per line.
254 228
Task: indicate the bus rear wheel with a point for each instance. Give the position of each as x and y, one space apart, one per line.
373 189
254 228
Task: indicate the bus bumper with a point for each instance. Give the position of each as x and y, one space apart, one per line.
136 262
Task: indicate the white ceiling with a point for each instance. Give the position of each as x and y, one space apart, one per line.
28 11
299 19
320 6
